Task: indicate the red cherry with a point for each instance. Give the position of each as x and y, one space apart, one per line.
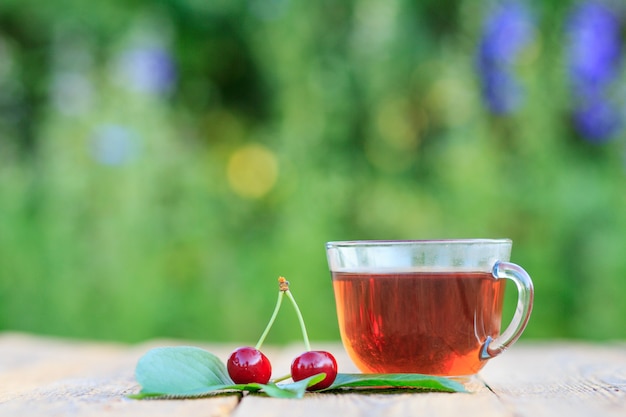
312 363
247 364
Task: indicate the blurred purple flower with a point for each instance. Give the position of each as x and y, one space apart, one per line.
596 120
149 69
507 30
501 91
593 60
594 47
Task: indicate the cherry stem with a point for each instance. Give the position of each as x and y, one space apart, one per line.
281 378
271 322
307 345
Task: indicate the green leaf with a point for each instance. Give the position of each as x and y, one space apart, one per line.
181 370
188 372
291 390
417 381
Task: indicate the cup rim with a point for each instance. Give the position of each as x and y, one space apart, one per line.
462 241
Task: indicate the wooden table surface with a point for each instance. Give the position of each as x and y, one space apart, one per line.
42 376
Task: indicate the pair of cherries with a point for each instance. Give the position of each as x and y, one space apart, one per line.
248 364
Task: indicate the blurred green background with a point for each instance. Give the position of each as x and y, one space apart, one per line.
163 162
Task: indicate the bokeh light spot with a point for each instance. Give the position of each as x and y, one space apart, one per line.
252 171
394 126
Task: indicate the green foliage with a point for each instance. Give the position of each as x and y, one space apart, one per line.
129 212
181 370
187 372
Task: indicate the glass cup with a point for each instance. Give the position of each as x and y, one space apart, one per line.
426 306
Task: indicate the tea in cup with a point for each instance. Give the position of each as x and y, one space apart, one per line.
426 306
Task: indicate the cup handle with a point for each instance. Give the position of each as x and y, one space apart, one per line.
493 347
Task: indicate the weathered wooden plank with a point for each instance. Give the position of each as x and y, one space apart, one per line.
572 379
48 377
91 398
29 362
42 376
482 404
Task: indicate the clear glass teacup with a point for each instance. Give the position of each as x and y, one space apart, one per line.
426 306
